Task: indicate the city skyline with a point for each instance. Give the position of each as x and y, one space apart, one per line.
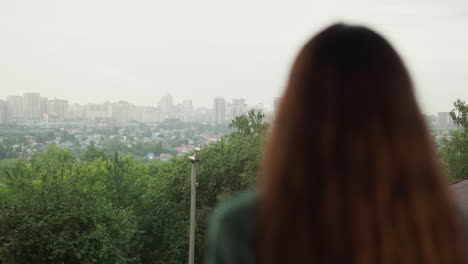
269 107
34 108
156 103
40 109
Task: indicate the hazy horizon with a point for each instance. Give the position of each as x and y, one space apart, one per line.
102 50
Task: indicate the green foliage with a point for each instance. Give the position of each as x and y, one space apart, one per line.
454 155
459 115
115 145
56 208
118 181
54 220
54 163
250 124
92 153
453 150
16 176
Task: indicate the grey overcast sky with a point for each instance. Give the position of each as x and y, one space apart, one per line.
109 50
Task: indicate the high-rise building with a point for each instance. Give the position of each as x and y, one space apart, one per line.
135 113
98 111
3 111
43 105
238 107
150 115
57 109
32 106
75 112
228 111
121 111
219 110
14 108
165 104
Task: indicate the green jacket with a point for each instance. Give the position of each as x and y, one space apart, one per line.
231 231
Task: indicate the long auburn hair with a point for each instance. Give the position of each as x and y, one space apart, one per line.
349 174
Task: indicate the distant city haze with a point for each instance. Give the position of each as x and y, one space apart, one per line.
93 51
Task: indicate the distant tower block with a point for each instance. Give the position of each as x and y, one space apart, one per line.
219 109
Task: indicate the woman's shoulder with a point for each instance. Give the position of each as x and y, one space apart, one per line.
240 206
236 216
230 237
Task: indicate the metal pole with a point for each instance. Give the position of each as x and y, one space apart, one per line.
192 214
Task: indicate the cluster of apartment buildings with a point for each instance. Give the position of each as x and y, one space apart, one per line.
33 108
224 111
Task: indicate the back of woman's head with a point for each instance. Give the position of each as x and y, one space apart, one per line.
349 174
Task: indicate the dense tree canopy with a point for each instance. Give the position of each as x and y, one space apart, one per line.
100 208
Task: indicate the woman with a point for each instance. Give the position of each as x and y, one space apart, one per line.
349 174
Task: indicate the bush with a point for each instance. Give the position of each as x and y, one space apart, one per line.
55 222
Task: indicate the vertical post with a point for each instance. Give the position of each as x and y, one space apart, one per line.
193 195
192 213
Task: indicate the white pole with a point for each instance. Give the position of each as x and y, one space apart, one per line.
192 214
